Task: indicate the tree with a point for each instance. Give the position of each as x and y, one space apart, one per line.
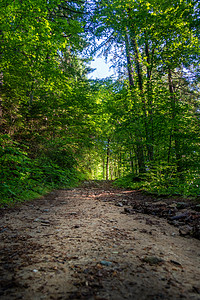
45 96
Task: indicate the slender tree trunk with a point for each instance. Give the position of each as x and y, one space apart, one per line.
129 64
108 159
103 167
170 146
140 158
131 161
111 171
138 67
150 137
139 146
119 164
175 129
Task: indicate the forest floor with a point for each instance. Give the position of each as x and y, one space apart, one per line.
98 242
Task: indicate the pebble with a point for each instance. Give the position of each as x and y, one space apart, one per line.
36 220
153 260
119 204
106 263
175 262
185 230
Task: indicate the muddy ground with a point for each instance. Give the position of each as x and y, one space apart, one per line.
97 242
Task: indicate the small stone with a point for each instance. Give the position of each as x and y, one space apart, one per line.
119 204
36 220
175 223
105 263
129 210
125 202
76 226
160 203
153 260
35 271
179 216
175 262
185 230
173 205
45 221
3 229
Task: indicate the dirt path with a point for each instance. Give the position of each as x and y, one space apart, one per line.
73 244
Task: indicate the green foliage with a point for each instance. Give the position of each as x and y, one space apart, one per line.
44 96
130 181
57 127
162 180
59 153
153 117
22 177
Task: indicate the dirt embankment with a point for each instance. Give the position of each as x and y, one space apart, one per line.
91 243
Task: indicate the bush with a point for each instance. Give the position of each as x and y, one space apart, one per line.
130 181
163 179
23 178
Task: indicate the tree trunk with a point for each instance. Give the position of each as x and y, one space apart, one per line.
139 144
129 64
131 161
174 128
103 168
108 159
150 137
140 157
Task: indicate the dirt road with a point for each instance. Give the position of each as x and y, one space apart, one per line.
73 244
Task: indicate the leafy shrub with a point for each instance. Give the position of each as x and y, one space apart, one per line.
130 181
163 179
58 152
22 177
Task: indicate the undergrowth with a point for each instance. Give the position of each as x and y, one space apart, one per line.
24 178
163 181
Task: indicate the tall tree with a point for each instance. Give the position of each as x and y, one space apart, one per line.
151 41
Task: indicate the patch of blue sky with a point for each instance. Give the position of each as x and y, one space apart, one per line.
102 69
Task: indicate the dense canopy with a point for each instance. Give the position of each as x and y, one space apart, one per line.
58 127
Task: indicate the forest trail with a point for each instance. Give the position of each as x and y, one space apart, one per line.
78 244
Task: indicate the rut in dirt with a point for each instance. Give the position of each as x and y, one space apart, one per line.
96 242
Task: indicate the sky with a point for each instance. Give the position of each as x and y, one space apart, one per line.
102 69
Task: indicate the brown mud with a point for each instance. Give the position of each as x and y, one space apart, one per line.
97 242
